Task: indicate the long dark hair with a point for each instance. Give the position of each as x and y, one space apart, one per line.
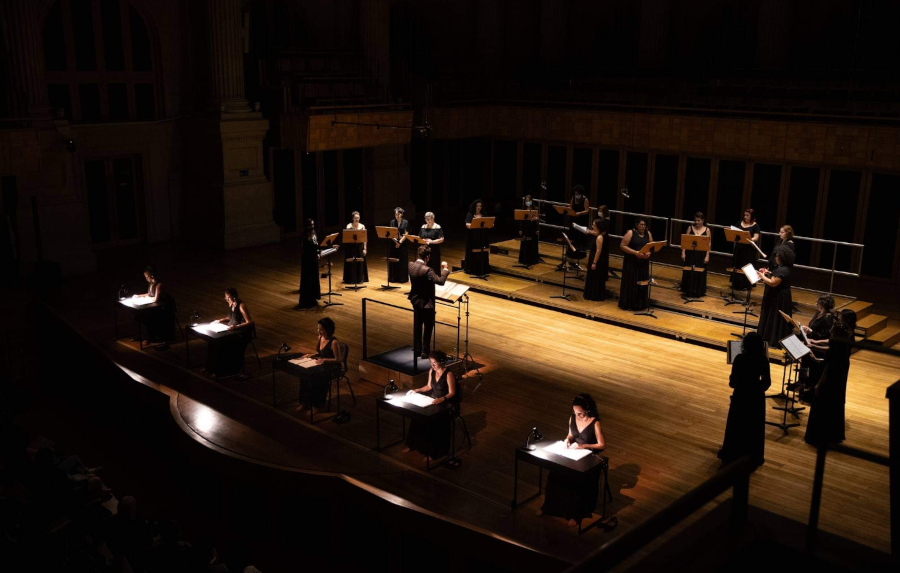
844 324
586 403
328 326
752 345
475 204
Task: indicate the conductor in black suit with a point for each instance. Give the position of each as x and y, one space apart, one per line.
422 279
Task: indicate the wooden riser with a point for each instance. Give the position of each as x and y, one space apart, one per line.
887 337
870 324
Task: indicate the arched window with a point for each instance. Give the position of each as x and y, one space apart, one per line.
99 62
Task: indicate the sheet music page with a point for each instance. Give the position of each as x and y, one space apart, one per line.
304 362
580 228
733 228
137 302
450 290
560 448
211 327
420 400
750 272
795 348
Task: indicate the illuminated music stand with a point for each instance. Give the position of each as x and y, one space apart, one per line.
693 243
391 234
355 237
526 215
649 248
565 210
327 250
564 295
482 223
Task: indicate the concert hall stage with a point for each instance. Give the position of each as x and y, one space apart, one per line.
663 403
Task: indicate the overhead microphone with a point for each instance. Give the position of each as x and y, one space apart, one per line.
625 193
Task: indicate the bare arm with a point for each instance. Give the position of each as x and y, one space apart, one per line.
451 385
587 207
247 320
624 245
597 254
426 387
159 291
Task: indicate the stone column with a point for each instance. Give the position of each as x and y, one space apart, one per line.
226 55
375 40
26 62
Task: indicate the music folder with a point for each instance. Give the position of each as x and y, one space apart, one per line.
482 223
750 272
526 215
386 232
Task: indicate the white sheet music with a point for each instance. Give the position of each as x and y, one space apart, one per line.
211 327
560 448
450 291
578 227
420 400
750 273
136 302
304 362
794 347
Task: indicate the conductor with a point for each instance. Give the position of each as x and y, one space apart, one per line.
421 294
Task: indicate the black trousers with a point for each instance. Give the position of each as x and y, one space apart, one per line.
423 326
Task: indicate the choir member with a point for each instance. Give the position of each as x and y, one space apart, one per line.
635 267
476 263
744 254
432 438
598 261
786 237
529 231
772 326
818 331
355 272
745 428
826 415
160 322
397 271
571 498
693 283
310 291
582 207
314 389
434 236
225 356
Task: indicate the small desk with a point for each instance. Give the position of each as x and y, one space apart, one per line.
407 410
208 336
588 468
138 311
301 373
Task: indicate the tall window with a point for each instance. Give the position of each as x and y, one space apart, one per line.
99 62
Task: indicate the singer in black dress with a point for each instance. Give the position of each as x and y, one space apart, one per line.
786 237
314 388
566 496
598 262
310 291
826 415
529 232
434 236
818 331
398 272
225 355
355 272
432 438
745 430
693 283
582 206
635 267
476 263
744 254
772 326
160 321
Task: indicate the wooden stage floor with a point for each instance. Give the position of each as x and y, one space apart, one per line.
663 402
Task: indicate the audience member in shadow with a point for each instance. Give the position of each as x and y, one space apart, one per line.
745 428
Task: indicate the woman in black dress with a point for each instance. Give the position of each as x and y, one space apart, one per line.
772 326
786 238
693 283
582 207
434 236
744 254
398 272
818 331
355 272
476 263
529 231
314 389
598 261
433 438
745 430
225 355
575 499
635 267
160 322
310 292
826 415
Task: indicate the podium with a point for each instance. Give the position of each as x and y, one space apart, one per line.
355 237
693 243
527 216
326 250
389 233
483 223
649 248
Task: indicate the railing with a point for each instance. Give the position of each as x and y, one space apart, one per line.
365 348
593 214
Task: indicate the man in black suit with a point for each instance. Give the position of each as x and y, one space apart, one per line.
422 279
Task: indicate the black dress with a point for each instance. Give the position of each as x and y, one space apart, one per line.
772 326
309 272
693 283
314 388
160 321
826 415
225 356
579 239
568 496
633 296
745 430
399 272
744 254
595 279
811 370
529 248
432 438
355 272
476 263
435 233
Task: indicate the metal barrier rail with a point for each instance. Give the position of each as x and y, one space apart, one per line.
365 349
593 214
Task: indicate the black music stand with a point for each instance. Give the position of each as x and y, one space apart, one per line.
567 211
526 215
748 271
693 243
794 351
391 234
649 248
326 249
355 237
482 223
564 294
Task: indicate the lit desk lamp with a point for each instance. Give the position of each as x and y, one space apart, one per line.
534 436
390 387
284 348
195 318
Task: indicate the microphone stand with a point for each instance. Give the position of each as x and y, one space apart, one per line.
649 311
730 299
330 292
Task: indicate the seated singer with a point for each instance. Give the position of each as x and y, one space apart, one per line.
225 356
574 499
433 438
328 354
161 323
421 295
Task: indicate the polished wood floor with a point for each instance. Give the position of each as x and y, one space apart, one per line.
663 402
